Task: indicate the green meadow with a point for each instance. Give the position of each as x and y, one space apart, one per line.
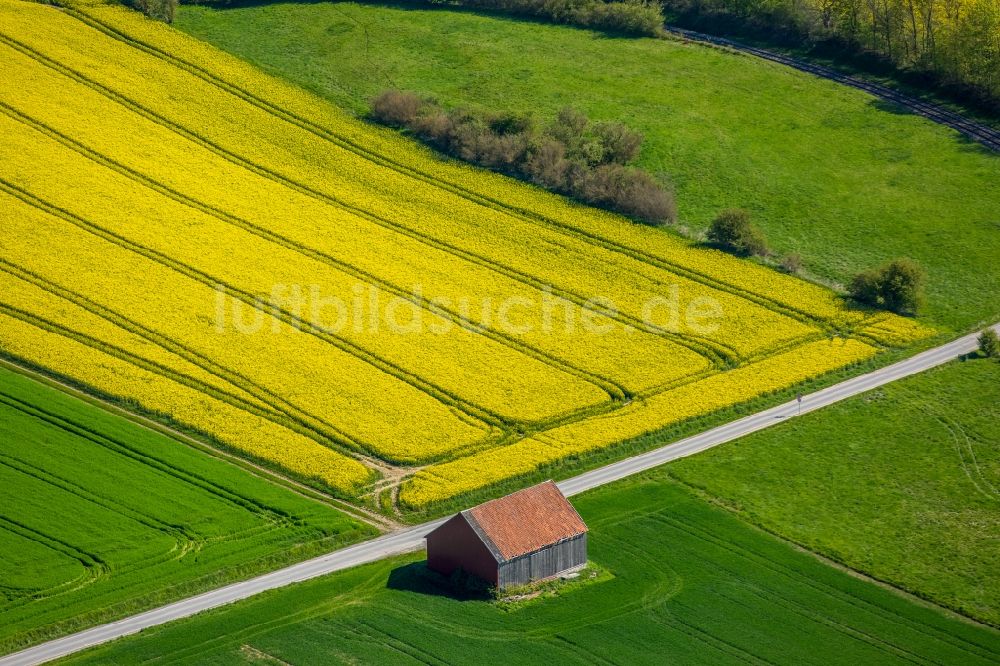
685 582
902 483
101 518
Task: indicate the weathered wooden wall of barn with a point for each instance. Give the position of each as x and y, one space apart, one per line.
544 563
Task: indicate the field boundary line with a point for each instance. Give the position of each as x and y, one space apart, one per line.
105 441
712 349
263 410
411 538
610 386
466 193
55 381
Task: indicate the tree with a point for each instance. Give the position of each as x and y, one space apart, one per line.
733 231
897 286
989 343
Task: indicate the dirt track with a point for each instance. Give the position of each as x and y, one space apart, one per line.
982 134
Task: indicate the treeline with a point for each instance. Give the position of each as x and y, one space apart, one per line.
629 17
569 154
625 17
951 44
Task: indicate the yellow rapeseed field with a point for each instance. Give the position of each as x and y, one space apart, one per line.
187 234
439 482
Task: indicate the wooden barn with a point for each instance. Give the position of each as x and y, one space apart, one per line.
527 536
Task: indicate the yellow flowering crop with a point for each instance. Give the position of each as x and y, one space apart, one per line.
143 169
636 360
259 140
893 331
492 376
20 298
292 370
254 436
781 289
445 480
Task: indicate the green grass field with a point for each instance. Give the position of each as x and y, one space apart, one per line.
688 583
827 171
101 518
902 483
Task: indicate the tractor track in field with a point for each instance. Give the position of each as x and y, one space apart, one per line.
491 203
615 390
360 513
715 350
329 432
262 410
411 538
978 132
345 345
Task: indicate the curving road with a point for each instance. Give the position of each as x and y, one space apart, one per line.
983 134
412 538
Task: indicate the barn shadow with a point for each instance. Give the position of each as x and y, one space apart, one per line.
416 577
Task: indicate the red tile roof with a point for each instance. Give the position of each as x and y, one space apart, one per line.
527 520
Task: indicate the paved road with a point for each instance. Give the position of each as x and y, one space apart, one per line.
412 538
978 132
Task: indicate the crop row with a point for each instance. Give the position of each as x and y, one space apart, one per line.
181 541
122 251
506 383
417 258
646 358
238 430
299 159
151 463
301 368
439 482
165 365
301 109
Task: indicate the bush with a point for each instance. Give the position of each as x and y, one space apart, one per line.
396 108
792 263
989 343
896 286
620 144
732 231
568 128
162 10
548 165
631 17
435 128
571 155
628 191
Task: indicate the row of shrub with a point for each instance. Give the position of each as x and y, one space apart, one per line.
569 154
627 17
